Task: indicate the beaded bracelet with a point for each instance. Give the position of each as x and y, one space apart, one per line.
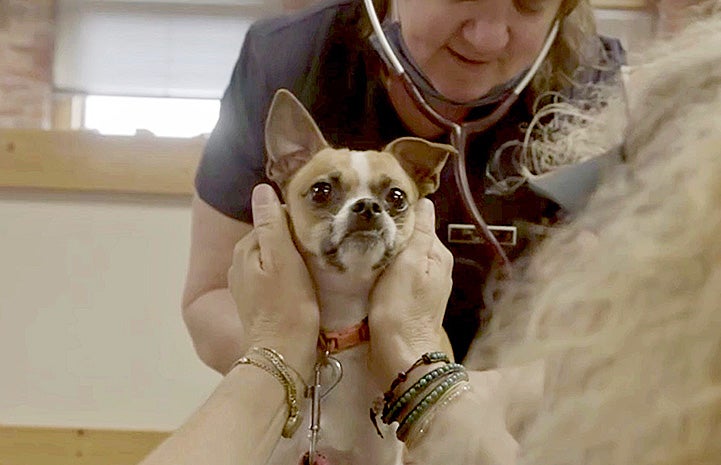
390 411
388 406
415 431
429 400
279 370
426 359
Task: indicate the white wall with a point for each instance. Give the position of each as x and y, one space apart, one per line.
91 333
634 28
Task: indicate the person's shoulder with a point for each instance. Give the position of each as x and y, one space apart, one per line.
295 26
289 47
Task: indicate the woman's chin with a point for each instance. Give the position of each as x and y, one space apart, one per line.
462 93
464 87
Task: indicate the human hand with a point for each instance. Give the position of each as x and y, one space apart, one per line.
272 288
408 301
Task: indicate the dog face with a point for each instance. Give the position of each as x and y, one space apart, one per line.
350 210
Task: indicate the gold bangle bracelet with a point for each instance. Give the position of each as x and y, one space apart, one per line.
279 370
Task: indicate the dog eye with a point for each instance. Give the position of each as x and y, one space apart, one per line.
320 192
396 199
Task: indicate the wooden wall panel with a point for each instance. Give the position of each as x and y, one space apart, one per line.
87 161
69 446
621 4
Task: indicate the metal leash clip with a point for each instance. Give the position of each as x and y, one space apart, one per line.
317 394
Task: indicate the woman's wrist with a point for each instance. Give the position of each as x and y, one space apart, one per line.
296 340
294 383
415 392
402 365
392 355
397 341
299 356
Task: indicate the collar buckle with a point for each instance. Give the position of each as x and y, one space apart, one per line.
333 342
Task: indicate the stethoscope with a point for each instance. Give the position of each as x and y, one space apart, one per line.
460 132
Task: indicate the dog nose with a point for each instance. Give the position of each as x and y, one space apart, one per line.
367 209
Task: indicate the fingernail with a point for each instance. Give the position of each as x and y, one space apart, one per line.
263 194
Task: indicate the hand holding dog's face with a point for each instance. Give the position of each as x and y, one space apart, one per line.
351 209
406 307
289 321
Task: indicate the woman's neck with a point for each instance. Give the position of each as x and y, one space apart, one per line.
412 117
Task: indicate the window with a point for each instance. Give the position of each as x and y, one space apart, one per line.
164 117
150 48
154 65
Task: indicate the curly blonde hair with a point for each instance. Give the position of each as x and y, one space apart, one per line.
577 46
622 305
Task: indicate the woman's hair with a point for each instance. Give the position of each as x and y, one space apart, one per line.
622 304
576 45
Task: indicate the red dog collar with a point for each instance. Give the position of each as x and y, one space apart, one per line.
336 341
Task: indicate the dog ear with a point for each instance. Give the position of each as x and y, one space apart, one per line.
291 137
422 160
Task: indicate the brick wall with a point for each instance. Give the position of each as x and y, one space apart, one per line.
26 50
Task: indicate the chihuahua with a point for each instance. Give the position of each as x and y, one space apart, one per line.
351 212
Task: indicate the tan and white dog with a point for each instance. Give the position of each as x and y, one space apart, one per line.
351 212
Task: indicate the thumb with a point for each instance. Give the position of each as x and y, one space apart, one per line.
418 250
270 224
425 217
424 233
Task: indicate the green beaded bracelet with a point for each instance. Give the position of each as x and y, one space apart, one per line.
451 379
390 411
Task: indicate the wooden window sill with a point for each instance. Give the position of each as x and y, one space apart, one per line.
87 161
70 446
620 4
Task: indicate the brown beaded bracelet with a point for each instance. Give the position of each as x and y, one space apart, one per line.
385 404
